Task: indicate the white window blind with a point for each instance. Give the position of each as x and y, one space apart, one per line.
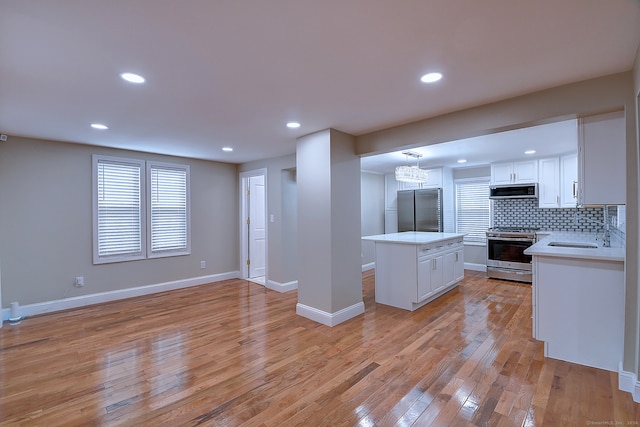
169 209
473 209
119 213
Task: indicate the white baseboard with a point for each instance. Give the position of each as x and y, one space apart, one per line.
282 287
101 297
330 319
475 267
628 381
370 266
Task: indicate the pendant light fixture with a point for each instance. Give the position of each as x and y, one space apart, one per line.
411 173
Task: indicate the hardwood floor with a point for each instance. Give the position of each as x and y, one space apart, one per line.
234 353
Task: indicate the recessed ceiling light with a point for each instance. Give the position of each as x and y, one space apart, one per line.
462 161
132 78
229 149
431 77
530 152
293 125
99 126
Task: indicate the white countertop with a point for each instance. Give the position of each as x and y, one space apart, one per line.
600 253
413 237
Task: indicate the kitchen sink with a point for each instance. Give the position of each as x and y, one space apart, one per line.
578 245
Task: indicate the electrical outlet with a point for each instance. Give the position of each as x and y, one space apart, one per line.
203 265
79 282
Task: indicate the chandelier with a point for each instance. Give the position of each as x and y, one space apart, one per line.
411 173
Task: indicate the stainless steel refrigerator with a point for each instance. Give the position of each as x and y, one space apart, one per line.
420 210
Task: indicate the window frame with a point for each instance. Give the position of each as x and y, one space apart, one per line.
482 241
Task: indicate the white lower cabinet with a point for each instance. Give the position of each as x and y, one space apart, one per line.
578 310
430 276
425 265
439 267
458 266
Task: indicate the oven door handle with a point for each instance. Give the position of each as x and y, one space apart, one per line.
511 239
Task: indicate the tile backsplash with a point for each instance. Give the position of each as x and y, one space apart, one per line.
526 213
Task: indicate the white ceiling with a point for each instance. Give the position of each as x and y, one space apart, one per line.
233 72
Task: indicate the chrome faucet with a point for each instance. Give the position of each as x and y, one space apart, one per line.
606 224
607 228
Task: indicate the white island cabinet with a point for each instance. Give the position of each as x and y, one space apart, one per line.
414 268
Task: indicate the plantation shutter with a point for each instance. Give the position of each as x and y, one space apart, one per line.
119 209
169 209
473 209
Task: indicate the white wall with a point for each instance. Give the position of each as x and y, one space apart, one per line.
289 230
282 233
372 211
632 298
46 223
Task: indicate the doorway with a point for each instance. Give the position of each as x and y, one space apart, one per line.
253 224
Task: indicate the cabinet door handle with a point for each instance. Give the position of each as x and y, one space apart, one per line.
557 200
575 183
433 264
456 256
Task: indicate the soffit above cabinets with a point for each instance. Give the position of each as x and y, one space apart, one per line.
547 140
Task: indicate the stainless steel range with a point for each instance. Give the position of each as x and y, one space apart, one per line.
505 253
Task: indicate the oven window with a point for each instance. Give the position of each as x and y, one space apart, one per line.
505 250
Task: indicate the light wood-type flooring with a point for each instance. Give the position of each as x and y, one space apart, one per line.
234 353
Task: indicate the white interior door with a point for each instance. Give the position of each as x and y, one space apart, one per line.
257 226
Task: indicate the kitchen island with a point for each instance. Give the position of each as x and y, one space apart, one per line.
578 299
413 268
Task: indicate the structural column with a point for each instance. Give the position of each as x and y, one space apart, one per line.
329 249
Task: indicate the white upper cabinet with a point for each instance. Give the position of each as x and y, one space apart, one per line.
557 181
502 173
549 183
522 172
602 160
569 180
434 178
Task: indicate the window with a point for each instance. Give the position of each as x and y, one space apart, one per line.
123 196
169 209
473 208
118 210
